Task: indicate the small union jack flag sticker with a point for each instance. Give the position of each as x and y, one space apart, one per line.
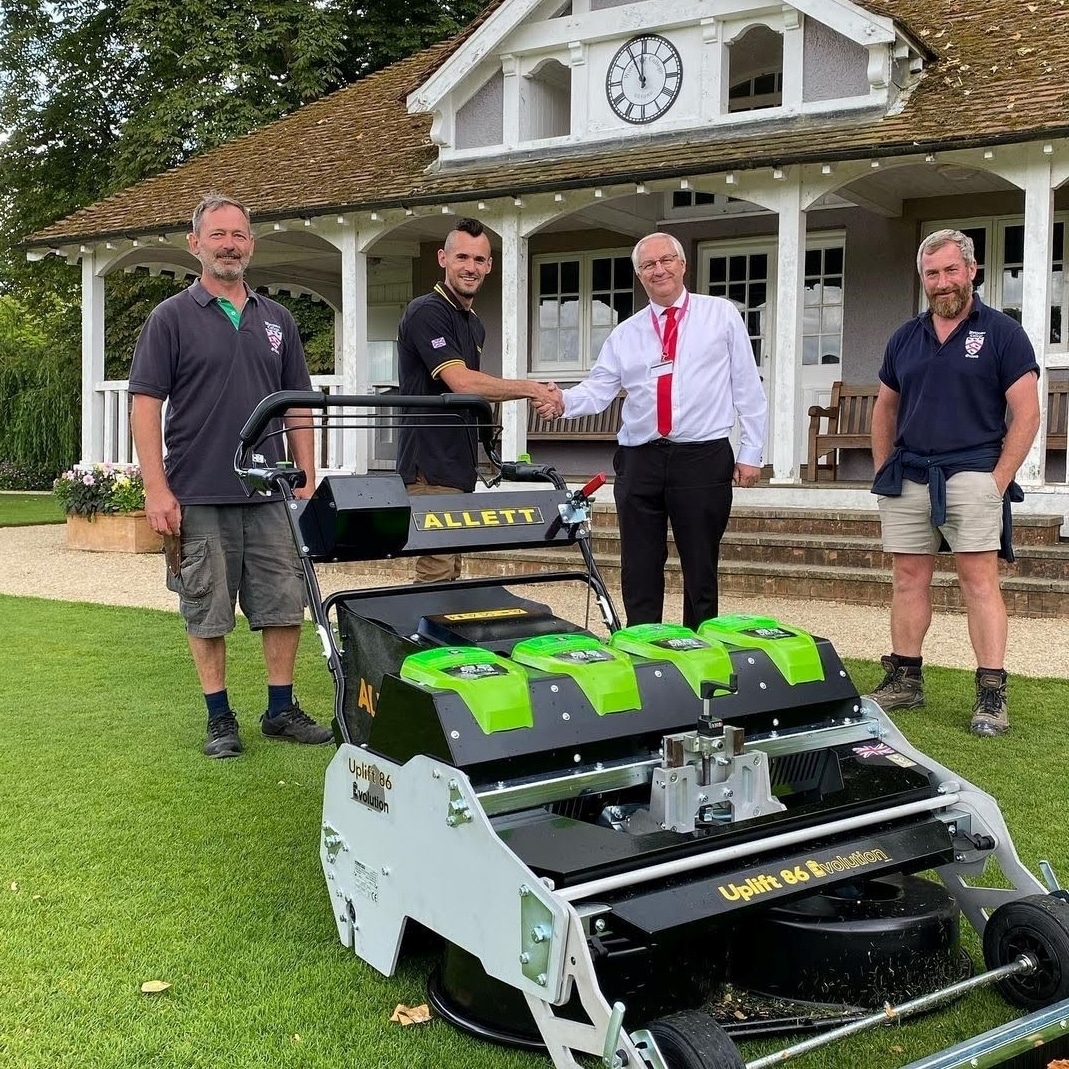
878 749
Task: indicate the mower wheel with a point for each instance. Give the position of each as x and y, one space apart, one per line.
1037 925
693 1040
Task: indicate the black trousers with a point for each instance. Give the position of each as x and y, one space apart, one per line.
689 486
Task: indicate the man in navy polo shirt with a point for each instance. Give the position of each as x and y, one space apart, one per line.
213 352
956 414
440 343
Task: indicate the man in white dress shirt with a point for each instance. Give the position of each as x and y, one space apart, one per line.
687 367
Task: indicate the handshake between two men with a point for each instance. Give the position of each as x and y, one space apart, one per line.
548 400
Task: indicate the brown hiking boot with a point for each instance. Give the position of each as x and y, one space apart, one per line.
902 686
990 713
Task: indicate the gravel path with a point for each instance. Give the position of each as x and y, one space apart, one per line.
35 562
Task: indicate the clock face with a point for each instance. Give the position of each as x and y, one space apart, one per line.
644 78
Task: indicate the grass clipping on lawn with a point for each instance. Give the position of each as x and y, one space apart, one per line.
126 856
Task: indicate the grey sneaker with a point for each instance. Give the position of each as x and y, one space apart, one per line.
990 713
295 725
223 737
902 686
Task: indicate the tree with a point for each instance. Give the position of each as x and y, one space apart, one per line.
98 94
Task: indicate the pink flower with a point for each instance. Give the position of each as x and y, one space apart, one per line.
88 479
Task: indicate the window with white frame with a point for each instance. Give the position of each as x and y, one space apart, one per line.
743 271
578 299
999 242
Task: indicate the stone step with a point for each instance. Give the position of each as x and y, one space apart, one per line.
1028 528
1033 561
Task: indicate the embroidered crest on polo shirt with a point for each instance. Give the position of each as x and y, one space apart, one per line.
437 343
274 336
974 342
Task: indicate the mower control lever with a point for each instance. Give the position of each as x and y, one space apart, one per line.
267 480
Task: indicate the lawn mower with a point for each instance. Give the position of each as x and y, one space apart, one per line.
602 829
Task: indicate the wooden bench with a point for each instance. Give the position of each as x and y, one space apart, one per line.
849 423
1057 414
601 427
849 426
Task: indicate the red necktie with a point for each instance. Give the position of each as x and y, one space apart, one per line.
664 383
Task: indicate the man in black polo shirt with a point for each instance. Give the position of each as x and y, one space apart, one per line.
440 343
213 352
956 414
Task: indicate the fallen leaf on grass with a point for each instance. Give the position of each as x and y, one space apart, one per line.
14 887
154 987
406 1015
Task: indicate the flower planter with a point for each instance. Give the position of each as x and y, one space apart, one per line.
118 532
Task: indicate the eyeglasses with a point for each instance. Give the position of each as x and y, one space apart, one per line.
648 266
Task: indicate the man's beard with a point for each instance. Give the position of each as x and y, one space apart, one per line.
227 270
951 305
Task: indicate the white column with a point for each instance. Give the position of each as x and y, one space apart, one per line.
92 359
514 315
792 60
1035 302
785 395
353 348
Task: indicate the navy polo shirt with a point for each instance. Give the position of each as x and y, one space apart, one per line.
212 377
952 394
436 331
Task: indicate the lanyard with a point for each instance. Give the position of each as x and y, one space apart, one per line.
655 319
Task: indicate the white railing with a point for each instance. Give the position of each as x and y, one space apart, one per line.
114 442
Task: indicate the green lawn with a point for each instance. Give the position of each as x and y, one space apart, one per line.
22 510
126 856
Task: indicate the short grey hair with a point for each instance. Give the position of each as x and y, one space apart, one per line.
212 201
934 242
650 237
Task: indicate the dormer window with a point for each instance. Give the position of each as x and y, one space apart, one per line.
756 70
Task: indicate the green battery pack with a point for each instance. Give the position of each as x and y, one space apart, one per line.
493 688
698 659
792 651
606 677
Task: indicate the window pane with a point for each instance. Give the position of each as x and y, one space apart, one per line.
833 260
812 262
1014 245
547 315
624 304
737 293
547 279
569 314
601 314
831 319
737 268
681 199
832 291
759 266
602 273
547 347
718 291
569 277
810 351
811 295
979 237
569 346
718 268
758 294
623 273
811 320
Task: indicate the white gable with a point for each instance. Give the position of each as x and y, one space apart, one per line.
550 72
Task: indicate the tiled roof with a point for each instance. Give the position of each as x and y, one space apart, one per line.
1000 73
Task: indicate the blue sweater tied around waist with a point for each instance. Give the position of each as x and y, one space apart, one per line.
935 470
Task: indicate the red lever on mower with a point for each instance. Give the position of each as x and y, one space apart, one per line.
595 484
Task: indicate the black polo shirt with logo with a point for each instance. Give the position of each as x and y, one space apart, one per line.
212 376
435 332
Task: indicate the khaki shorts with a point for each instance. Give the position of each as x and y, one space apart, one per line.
237 551
973 523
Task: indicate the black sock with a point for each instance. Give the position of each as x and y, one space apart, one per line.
279 697
1000 672
218 704
908 662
